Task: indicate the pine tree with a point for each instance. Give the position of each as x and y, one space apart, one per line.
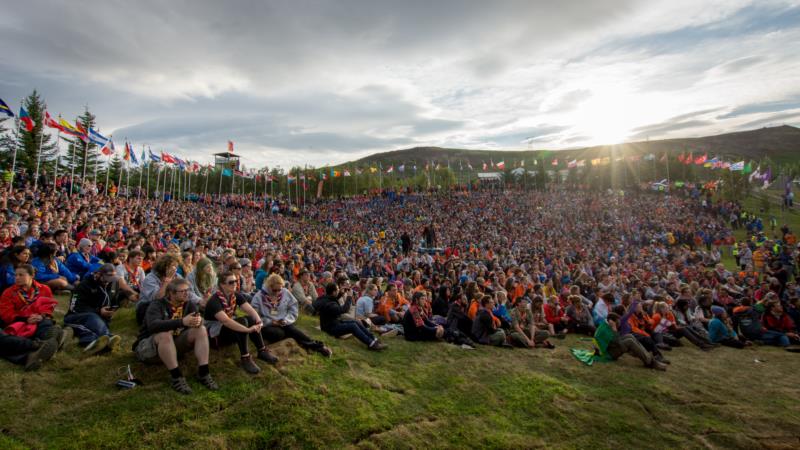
31 143
80 154
6 142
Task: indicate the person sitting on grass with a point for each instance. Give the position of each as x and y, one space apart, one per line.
173 327
26 309
224 328
96 300
523 329
392 305
50 271
279 309
779 326
720 330
417 326
29 353
615 345
331 321
555 316
81 261
579 316
486 328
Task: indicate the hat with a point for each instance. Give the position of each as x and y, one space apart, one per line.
93 232
717 310
84 242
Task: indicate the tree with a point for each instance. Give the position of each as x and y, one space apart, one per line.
82 156
30 144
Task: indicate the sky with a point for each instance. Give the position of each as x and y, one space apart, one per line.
325 82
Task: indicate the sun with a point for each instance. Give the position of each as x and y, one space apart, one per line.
605 118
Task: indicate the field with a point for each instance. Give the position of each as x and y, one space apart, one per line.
412 396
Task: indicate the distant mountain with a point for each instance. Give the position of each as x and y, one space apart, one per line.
780 143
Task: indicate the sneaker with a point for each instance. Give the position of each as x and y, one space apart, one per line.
96 346
249 366
377 346
114 343
325 351
664 347
467 347
663 360
208 382
390 333
265 355
548 345
45 351
66 337
346 336
179 384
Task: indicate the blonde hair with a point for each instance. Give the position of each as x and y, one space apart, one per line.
274 279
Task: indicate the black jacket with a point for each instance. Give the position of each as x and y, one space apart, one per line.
158 318
90 296
329 311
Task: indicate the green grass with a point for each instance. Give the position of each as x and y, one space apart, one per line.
415 395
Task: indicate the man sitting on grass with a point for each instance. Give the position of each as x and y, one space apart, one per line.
30 353
173 327
96 300
614 345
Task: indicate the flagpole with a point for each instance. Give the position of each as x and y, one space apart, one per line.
14 159
38 160
121 173
85 157
219 191
205 190
127 179
58 158
108 172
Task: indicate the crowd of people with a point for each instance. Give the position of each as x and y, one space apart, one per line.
641 272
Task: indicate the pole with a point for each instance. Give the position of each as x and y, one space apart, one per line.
205 190
147 186
38 160
58 157
219 191
14 159
85 156
108 171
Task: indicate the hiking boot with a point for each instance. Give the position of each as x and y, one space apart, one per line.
391 333
663 360
265 355
377 346
548 345
179 384
664 347
96 346
207 381
657 365
54 332
249 366
325 351
114 343
66 337
45 351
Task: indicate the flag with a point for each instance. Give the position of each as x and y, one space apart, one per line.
522 163
337 174
5 109
291 178
572 164
554 162
650 157
71 130
108 148
748 168
143 158
663 158
469 166
755 175
126 154
346 173
700 160
390 169
501 165
681 158
97 138
230 146
25 118
582 163
373 169
49 122
225 172
167 158
401 168
156 158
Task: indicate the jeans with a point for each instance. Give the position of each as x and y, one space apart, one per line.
629 344
87 326
273 333
775 338
227 336
352 327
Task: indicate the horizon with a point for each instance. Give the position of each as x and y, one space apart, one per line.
333 83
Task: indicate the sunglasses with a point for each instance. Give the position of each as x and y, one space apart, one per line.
229 282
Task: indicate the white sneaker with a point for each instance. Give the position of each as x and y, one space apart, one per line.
96 345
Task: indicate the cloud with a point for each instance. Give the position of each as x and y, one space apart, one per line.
762 107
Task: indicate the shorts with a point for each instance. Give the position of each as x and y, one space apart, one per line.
147 351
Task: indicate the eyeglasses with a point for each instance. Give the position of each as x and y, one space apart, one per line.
229 282
182 291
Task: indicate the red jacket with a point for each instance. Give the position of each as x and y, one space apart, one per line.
784 323
552 314
14 301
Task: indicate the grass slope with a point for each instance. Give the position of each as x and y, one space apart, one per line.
414 395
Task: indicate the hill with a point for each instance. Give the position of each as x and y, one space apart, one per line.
780 143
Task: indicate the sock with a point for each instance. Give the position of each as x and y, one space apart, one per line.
202 370
176 372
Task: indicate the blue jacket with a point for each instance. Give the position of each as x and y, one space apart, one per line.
717 331
44 273
78 265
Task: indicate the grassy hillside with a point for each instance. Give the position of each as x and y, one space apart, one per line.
780 143
414 395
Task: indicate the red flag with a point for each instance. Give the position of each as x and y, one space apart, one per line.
701 159
49 122
555 162
230 146
688 159
681 158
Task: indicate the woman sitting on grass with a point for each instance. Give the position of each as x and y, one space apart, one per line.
417 326
721 331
